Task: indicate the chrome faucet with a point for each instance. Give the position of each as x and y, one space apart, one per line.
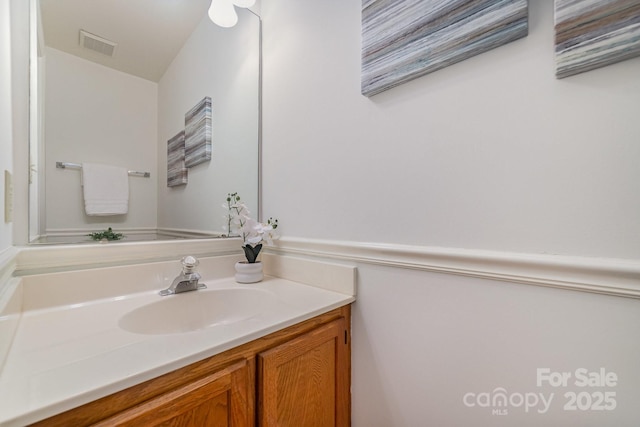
187 280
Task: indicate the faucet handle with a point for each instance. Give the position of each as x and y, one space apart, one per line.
189 263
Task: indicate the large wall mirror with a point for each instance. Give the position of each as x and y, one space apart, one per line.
91 103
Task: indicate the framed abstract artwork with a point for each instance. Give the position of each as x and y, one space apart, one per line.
197 140
177 173
406 39
594 33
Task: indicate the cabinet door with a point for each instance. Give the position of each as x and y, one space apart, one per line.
216 400
305 382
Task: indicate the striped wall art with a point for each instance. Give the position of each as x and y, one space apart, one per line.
177 173
406 39
197 139
593 33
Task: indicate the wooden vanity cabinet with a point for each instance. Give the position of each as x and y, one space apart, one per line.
296 377
304 381
216 400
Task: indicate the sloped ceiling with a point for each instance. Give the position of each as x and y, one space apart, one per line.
149 33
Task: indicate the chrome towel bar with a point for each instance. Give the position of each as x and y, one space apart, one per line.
65 165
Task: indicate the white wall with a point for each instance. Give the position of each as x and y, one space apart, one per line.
37 113
492 154
120 129
16 64
5 116
220 63
421 341
20 16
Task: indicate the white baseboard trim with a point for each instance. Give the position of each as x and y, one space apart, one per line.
608 276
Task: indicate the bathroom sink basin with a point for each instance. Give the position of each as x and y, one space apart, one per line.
192 311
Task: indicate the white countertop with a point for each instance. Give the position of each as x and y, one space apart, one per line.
67 355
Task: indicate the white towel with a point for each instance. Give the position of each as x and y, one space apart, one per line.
106 189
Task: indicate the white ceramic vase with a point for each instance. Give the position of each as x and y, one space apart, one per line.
248 272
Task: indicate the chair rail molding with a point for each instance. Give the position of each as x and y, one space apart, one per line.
610 276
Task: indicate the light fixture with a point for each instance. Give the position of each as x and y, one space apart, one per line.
244 3
223 12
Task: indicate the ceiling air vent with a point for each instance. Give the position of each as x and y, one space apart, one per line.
97 43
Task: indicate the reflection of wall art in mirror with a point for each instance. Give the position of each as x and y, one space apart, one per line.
405 40
197 140
591 34
177 173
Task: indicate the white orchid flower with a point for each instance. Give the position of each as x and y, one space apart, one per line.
253 233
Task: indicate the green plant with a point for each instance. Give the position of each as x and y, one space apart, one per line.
106 234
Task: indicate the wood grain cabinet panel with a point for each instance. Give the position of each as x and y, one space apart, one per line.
304 382
217 400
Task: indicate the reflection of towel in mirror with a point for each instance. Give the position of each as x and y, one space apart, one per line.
106 189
